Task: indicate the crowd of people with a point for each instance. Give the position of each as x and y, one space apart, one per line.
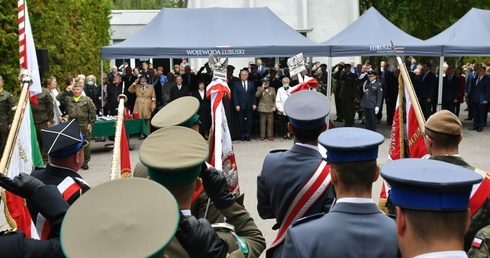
469 84
179 209
333 192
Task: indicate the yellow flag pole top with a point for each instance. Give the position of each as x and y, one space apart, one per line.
410 90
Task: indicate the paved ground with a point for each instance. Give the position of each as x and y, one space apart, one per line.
250 156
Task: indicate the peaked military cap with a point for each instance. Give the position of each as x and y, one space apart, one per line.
130 217
266 79
230 67
307 109
349 144
182 111
424 184
444 121
63 140
371 73
174 155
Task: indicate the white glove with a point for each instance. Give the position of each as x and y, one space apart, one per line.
376 110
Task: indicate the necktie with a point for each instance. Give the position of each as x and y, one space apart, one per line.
450 77
245 85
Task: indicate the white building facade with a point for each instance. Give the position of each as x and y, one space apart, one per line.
319 20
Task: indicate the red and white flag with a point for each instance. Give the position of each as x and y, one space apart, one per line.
221 146
27 50
308 84
23 158
125 158
406 143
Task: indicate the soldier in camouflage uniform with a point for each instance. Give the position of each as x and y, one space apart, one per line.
480 248
6 114
82 109
43 116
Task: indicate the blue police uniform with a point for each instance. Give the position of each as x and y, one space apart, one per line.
361 229
435 187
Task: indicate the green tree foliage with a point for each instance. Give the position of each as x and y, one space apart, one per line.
424 19
146 5
72 31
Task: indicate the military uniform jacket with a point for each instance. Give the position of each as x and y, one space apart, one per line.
44 112
283 175
373 94
245 227
54 175
6 104
348 91
481 244
82 111
15 244
481 218
348 230
267 99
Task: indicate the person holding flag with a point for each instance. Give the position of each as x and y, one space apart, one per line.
49 202
443 133
64 145
296 183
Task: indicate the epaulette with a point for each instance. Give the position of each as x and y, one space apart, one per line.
307 218
278 150
8 231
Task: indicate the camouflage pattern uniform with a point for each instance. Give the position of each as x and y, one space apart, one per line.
481 218
6 116
83 111
481 245
43 114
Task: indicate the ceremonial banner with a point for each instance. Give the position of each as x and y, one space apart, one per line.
220 137
27 50
25 156
406 139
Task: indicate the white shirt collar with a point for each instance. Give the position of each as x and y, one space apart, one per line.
307 145
447 254
186 212
355 200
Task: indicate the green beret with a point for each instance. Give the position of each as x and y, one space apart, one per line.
174 155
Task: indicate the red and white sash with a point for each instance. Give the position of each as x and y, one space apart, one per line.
67 188
480 192
306 197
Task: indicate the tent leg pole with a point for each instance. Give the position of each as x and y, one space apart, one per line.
329 85
441 74
101 85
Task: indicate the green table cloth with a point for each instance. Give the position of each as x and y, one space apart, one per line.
108 128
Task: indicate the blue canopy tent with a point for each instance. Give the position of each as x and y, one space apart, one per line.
371 35
469 36
225 32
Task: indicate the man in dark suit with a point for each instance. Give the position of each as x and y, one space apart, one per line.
479 96
178 90
391 93
450 90
189 79
245 103
426 89
352 153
